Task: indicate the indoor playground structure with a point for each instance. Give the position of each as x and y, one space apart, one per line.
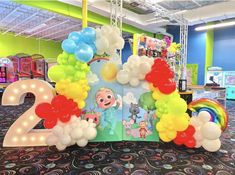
92 88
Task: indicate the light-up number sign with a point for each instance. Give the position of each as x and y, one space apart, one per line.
21 132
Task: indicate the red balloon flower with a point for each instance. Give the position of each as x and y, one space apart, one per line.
186 137
161 76
60 108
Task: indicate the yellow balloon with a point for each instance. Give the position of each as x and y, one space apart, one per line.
164 137
181 123
73 91
109 71
171 134
151 87
160 127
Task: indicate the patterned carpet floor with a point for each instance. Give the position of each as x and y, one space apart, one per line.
116 158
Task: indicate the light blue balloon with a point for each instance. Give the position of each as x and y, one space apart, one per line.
68 46
93 47
89 35
76 37
84 52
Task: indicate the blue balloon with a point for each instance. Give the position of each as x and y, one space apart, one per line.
76 37
89 35
93 47
83 52
68 46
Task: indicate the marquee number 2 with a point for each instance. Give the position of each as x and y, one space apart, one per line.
21 132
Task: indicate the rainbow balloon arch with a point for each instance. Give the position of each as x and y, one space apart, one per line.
61 113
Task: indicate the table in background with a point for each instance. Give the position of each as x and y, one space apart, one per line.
211 92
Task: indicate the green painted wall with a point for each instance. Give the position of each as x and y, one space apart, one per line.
209 49
11 45
76 12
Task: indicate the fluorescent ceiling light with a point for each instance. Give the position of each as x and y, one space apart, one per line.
213 26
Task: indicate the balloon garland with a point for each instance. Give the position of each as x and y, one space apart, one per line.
63 114
175 124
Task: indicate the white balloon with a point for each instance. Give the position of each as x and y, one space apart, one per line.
98 33
123 77
72 142
133 58
76 133
198 136
211 131
57 130
134 82
65 139
60 146
73 119
100 52
90 133
116 30
134 72
51 140
82 142
111 50
141 76
113 38
211 145
125 67
102 44
196 122
144 68
106 29
67 129
120 43
84 124
193 121
198 144
204 116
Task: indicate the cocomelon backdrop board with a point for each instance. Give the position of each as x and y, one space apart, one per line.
96 98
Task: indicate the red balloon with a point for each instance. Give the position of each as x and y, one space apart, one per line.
43 110
190 143
49 123
183 136
178 141
190 130
58 101
167 88
77 112
65 118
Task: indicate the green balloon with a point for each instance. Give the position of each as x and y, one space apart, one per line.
69 70
177 106
63 58
147 102
72 60
56 73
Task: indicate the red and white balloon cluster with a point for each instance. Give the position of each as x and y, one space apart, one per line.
134 70
76 131
207 134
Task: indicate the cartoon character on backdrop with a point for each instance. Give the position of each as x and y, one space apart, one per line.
94 116
134 110
150 120
143 129
106 100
